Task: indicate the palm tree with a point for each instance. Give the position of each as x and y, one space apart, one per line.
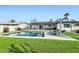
12 21
66 16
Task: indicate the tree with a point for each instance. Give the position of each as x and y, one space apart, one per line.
51 20
66 16
12 21
55 28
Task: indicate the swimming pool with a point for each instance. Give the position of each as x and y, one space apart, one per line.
31 34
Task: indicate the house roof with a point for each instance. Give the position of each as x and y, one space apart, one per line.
48 23
8 23
45 23
69 22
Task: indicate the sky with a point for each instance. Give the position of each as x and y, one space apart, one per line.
39 12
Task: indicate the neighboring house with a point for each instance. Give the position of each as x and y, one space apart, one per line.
12 26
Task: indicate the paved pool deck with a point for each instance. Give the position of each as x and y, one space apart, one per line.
46 37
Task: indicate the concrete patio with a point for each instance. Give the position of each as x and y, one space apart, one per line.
46 37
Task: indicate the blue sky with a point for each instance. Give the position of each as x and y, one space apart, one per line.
40 12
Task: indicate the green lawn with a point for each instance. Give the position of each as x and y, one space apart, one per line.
40 45
76 36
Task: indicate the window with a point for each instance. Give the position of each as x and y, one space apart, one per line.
76 24
66 25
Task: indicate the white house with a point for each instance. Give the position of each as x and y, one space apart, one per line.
65 25
55 25
12 26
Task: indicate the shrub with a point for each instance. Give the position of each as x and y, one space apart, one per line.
6 29
63 30
19 28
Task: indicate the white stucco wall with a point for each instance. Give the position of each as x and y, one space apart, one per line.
11 28
76 27
23 25
45 26
35 27
1 28
65 28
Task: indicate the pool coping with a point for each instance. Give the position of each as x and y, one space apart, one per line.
49 38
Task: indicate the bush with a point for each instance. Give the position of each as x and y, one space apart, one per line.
63 30
6 29
54 28
19 28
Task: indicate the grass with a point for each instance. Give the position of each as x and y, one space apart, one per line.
40 45
76 36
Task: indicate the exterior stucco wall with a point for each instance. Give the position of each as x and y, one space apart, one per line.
11 28
35 27
45 26
76 27
23 26
65 28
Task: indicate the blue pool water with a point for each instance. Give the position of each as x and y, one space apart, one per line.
26 34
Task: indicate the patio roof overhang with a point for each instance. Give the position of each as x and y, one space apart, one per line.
43 23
